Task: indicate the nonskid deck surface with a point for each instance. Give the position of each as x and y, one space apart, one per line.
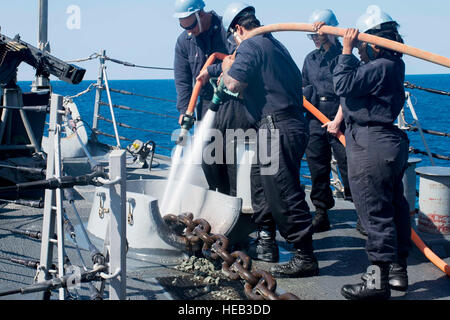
342 260
340 252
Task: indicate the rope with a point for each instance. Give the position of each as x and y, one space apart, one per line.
91 57
141 95
92 85
134 128
129 64
434 155
413 86
125 63
139 110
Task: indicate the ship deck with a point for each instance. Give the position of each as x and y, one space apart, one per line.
340 252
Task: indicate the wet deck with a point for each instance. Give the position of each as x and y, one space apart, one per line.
340 252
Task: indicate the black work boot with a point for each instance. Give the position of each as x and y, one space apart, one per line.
320 221
375 285
265 247
303 264
398 276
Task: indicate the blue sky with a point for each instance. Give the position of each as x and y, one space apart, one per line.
144 32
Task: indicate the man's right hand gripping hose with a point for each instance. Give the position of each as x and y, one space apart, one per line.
221 93
188 120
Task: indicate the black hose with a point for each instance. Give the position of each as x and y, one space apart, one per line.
53 183
27 233
11 292
39 204
25 169
56 283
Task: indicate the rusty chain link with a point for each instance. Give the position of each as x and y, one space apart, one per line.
195 234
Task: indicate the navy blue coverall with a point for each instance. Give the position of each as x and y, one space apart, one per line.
377 151
319 90
191 54
273 100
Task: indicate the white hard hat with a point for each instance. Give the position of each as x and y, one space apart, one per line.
373 18
233 11
326 16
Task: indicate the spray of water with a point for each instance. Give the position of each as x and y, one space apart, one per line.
176 158
191 156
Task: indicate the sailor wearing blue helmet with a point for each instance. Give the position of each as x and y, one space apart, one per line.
265 73
377 153
323 144
204 35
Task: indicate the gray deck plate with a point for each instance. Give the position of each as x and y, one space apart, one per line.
340 252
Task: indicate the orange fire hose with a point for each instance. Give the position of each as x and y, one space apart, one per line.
385 43
198 85
217 55
427 252
392 45
322 118
438 262
382 42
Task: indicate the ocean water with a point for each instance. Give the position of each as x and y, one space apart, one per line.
433 112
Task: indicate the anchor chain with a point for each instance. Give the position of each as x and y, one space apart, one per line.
259 285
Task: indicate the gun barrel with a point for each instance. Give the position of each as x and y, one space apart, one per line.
14 51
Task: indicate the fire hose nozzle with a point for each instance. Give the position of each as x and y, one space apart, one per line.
182 138
186 124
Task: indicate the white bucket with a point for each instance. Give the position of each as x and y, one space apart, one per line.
434 200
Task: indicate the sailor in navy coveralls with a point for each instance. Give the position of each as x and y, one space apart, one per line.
377 153
265 73
323 144
204 35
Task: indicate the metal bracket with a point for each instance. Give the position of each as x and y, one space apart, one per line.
102 210
131 206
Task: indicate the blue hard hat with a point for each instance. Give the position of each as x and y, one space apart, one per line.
233 11
326 16
373 18
185 8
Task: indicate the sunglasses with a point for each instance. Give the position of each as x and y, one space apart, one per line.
192 26
312 36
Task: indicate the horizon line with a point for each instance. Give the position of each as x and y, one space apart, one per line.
417 74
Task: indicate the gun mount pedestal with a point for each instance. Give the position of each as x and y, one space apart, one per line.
9 139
